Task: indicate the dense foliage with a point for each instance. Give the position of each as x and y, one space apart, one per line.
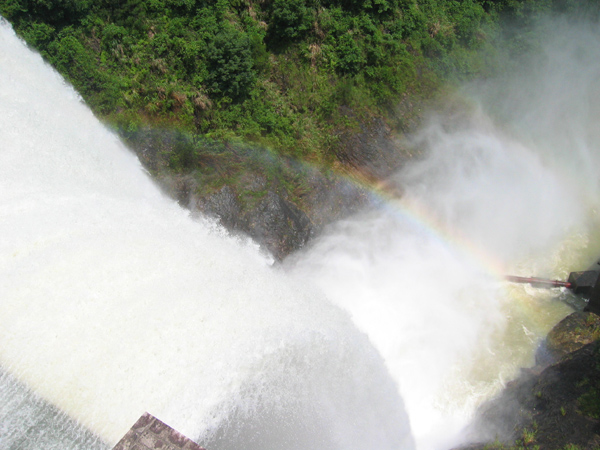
282 73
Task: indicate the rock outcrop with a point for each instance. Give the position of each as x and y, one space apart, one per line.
281 204
278 225
556 404
263 211
371 150
570 334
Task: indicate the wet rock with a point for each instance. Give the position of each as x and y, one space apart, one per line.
278 225
253 182
263 209
333 198
180 187
150 433
372 150
556 408
154 145
570 334
222 205
297 200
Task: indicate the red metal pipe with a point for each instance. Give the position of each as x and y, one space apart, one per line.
538 282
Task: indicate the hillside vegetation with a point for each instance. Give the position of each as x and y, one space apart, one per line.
290 75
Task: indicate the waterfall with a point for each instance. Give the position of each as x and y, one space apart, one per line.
116 302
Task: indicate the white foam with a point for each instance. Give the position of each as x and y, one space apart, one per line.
115 302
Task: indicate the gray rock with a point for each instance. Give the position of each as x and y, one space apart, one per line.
180 187
253 182
333 198
222 205
150 433
278 225
551 410
372 150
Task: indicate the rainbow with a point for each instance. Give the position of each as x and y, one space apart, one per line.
394 202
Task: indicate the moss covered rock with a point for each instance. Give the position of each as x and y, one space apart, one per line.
570 334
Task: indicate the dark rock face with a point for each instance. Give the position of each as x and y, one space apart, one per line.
262 210
180 187
279 202
569 335
333 198
278 225
371 151
222 205
549 407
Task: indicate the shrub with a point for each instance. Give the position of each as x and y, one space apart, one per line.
39 35
230 65
349 56
70 57
79 65
289 21
58 13
467 17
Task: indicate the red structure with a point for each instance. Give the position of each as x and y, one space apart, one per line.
149 433
585 283
538 282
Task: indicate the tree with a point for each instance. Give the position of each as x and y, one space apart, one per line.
289 20
58 13
349 55
230 65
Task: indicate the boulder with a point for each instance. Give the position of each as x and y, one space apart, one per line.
570 334
557 408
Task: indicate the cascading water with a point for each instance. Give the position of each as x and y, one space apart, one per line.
116 302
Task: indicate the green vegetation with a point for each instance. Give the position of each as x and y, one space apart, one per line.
272 72
281 74
529 436
589 402
521 446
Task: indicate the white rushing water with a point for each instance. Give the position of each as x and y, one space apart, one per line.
114 302
386 333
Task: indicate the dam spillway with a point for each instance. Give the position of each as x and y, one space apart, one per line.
115 302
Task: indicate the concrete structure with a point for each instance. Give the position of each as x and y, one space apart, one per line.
582 283
149 433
